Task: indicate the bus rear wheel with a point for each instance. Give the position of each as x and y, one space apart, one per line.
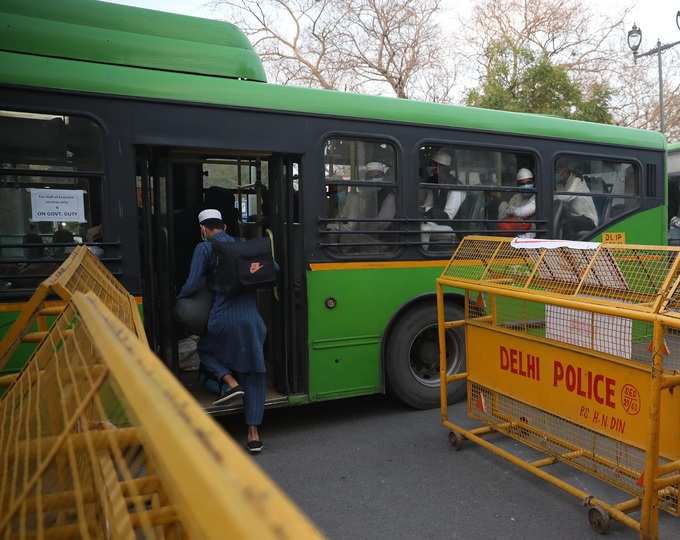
412 361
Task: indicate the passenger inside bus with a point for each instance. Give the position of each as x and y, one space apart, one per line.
369 210
521 207
466 190
576 214
94 235
223 200
33 237
61 236
439 205
359 204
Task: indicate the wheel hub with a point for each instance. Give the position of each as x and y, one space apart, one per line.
424 355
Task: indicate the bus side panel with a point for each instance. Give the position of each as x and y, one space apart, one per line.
345 340
646 227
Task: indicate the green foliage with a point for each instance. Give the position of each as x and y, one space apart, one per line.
517 80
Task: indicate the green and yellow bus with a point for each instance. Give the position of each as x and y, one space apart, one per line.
134 120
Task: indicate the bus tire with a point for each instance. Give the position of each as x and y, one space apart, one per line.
412 362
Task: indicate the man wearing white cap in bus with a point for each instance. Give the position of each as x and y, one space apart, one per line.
232 347
521 206
440 204
367 203
386 202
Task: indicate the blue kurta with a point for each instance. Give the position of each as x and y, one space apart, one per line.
236 332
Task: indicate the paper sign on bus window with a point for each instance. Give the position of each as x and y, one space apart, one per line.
57 205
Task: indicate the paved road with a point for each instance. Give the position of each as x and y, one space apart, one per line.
372 468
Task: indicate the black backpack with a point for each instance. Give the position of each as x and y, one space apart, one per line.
242 266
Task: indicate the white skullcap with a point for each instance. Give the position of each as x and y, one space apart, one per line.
443 158
210 213
524 174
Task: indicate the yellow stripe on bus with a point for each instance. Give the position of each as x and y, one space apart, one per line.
366 265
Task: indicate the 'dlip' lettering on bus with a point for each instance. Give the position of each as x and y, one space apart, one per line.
593 386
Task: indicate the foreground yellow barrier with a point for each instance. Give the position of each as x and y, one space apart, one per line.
99 440
80 272
574 350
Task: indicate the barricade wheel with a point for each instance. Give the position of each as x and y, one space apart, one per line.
412 361
599 519
456 441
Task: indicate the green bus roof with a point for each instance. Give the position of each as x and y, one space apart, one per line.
673 147
102 32
113 68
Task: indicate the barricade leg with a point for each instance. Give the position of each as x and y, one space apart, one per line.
441 330
649 519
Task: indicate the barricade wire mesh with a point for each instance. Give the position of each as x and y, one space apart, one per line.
642 278
614 462
73 464
80 272
600 303
85 274
633 276
618 336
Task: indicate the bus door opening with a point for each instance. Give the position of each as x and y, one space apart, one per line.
251 192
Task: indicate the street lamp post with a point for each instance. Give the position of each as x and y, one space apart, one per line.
634 41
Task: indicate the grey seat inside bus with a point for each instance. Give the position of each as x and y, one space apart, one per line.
357 206
472 208
602 204
388 211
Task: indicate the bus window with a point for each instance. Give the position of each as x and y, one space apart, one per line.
591 192
673 168
469 191
361 198
50 193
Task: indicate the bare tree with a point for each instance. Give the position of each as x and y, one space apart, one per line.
394 42
377 46
296 39
569 32
639 96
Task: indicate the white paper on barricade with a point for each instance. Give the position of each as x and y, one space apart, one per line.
571 264
57 205
603 333
537 243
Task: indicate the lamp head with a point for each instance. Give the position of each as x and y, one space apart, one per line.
635 38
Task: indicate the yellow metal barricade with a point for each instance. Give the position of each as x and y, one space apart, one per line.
574 350
99 440
80 272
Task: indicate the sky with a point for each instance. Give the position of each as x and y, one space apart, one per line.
656 18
